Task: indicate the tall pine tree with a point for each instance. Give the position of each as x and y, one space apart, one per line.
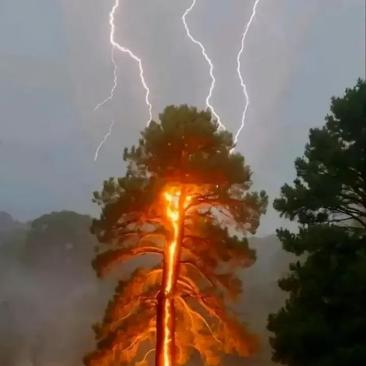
323 322
184 199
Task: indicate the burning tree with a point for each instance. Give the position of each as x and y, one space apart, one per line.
185 199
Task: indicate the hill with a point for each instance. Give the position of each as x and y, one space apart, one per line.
49 295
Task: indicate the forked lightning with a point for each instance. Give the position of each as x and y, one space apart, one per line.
242 83
208 60
116 46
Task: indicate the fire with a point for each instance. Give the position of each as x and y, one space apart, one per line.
173 214
176 200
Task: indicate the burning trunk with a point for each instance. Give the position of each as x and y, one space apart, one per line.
165 342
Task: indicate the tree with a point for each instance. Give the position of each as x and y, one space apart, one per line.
323 321
185 199
59 244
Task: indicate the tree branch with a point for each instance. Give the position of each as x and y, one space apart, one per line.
200 270
105 260
191 312
352 216
214 200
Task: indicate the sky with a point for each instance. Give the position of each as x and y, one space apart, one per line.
55 67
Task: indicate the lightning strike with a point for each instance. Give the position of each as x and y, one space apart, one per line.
119 47
105 138
208 60
115 84
171 257
176 201
242 82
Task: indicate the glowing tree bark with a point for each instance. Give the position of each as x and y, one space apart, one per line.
183 198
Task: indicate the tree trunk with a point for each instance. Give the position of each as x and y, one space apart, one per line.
165 318
165 342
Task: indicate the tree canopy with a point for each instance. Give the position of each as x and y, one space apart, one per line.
323 321
182 162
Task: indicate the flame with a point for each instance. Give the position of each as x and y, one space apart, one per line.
176 200
173 215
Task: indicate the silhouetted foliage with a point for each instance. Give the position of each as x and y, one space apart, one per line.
184 148
323 321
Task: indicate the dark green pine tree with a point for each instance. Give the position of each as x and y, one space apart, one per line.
324 319
177 304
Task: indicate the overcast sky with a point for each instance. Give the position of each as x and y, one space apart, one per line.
55 67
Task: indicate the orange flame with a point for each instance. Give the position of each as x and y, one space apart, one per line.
176 201
173 214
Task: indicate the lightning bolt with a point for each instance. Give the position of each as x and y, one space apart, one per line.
116 46
105 138
208 60
242 83
115 84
